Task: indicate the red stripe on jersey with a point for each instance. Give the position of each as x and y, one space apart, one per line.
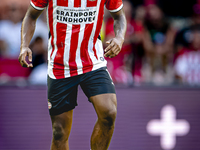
86 60
40 3
113 4
58 68
77 3
98 27
73 48
91 3
63 3
50 15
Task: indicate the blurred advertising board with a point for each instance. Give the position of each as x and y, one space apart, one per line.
148 119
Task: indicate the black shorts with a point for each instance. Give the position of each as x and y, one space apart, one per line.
62 93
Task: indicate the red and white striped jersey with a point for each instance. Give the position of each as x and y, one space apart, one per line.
74 27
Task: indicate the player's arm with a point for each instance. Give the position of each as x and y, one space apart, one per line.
120 25
27 31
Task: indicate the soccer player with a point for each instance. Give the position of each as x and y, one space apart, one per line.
76 57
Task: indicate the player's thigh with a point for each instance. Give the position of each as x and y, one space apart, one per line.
105 106
99 88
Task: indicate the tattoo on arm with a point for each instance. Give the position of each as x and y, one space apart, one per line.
120 24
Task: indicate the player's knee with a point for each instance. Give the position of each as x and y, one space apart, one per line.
109 116
58 133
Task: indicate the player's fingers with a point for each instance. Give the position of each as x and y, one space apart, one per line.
23 61
111 44
30 56
20 60
109 41
108 53
111 56
114 49
111 51
108 48
115 52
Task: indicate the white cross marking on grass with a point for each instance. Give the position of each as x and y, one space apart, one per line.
168 127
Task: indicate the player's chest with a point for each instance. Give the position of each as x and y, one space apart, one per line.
76 11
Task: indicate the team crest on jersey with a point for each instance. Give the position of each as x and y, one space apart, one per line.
101 58
49 105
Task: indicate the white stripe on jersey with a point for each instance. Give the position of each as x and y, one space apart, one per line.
91 39
51 59
70 3
80 39
101 61
47 17
67 45
83 3
78 52
67 50
50 62
54 32
100 52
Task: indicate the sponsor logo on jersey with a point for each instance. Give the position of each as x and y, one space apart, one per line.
76 15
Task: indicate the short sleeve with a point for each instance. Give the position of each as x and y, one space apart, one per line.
39 4
114 5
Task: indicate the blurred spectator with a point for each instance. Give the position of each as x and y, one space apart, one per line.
187 60
147 52
120 67
5 5
3 48
158 44
38 75
10 69
10 31
137 48
184 36
41 30
39 52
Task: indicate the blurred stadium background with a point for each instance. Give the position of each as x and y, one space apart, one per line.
157 78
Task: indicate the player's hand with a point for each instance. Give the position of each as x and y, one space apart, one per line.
113 48
25 51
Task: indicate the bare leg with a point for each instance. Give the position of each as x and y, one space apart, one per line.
61 125
106 109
